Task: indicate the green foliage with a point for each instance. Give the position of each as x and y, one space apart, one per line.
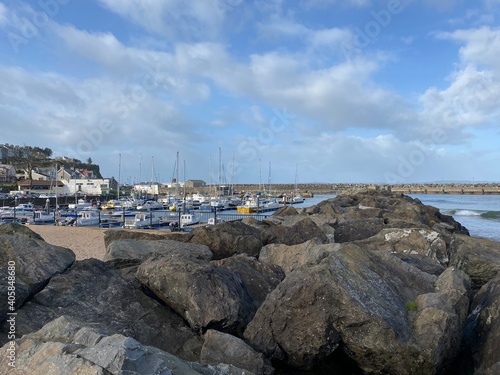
411 306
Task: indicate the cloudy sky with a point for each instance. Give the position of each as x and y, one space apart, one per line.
313 90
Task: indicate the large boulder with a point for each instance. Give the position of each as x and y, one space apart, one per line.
120 234
364 302
94 291
477 257
290 257
481 338
219 347
418 242
298 232
27 263
69 346
259 279
205 295
140 250
357 229
228 238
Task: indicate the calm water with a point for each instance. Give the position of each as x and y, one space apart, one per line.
480 214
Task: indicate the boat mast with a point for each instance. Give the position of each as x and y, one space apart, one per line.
269 178
177 175
220 171
119 172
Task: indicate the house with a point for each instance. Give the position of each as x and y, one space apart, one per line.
194 183
7 173
41 186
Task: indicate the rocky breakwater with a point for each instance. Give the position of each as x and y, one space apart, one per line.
372 283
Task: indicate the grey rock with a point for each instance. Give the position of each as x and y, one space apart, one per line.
301 231
357 229
219 347
206 296
141 250
94 291
481 338
33 260
477 257
229 238
359 298
69 346
259 279
121 234
417 242
291 257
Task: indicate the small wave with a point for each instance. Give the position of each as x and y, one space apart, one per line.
467 213
491 215
483 214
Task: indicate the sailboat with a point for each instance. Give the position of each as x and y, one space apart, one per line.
296 196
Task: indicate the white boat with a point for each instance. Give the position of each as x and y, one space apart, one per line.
21 211
150 205
41 217
188 219
87 218
145 219
80 205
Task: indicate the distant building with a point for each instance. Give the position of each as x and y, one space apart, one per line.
7 173
41 186
194 183
146 189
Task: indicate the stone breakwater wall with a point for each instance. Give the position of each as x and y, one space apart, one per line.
321 188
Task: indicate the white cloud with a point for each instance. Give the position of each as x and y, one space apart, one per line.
3 14
174 18
481 45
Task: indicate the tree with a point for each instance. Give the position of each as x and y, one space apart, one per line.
89 161
28 157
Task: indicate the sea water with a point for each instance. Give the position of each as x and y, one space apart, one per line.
480 214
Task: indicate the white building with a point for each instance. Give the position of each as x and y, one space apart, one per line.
95 186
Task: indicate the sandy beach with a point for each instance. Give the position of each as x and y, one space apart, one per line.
84 241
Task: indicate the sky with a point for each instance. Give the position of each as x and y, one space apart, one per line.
240 91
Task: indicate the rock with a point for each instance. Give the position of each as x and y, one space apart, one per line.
440 318
141 250
126 255
418 242
481 339
291 257
29 261
206 296
93 291
121 234
361 300
228 238
259 279
221 347
285 211
300 232
477 257
352 230
69 346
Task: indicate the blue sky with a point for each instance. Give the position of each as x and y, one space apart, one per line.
392 91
